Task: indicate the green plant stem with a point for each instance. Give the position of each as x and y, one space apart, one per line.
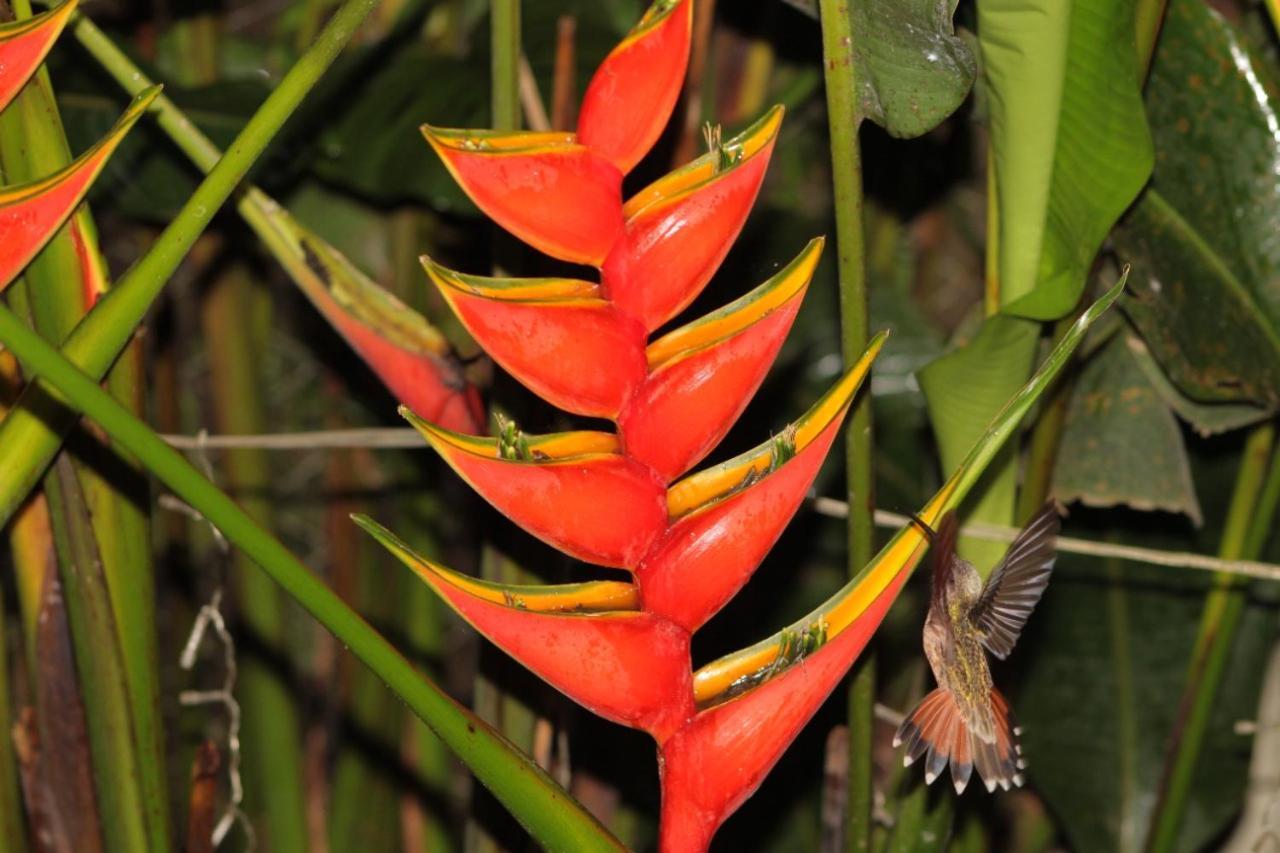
844 119
115 517
862 723
544 809
504 22
1242 538
99 664
30 441
1046 435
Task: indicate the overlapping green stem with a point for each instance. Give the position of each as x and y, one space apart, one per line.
545 810
844 118
97 341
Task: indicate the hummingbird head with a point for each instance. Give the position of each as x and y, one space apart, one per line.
963 581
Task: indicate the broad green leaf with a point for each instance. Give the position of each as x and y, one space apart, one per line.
1107 656
1205 418
1120 443
964 389
1202 239
375 148
913 70
1070 149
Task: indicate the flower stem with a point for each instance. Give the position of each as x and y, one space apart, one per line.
844 118
504 20
545 810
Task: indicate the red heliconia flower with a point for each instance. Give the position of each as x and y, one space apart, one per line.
621 649
407 353
31 213
24 45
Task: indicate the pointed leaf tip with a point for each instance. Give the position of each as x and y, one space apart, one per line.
703 375
630 97
725 519
679 229
558 196
556 336
574 490
31 213
627 666
24 45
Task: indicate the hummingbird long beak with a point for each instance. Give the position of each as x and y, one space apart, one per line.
929 532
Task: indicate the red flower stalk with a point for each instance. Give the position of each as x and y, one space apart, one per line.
622 649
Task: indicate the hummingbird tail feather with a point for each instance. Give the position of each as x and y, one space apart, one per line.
936 729
1000 761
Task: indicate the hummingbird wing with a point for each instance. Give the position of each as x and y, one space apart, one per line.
1017 583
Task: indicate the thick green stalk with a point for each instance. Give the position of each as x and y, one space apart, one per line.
843 119
57 283
504 22
97 341
1243 537
544 809
862 723
236 325
99 664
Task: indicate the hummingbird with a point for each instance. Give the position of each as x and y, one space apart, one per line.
965 721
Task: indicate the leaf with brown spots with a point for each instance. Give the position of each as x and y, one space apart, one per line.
1120 442
1202 240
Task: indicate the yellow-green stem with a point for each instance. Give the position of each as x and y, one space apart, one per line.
1046 435
33 145
99 664
844 118
504 21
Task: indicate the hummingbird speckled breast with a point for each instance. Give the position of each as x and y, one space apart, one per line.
965 721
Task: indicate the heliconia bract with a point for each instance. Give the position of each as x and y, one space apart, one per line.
617 498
